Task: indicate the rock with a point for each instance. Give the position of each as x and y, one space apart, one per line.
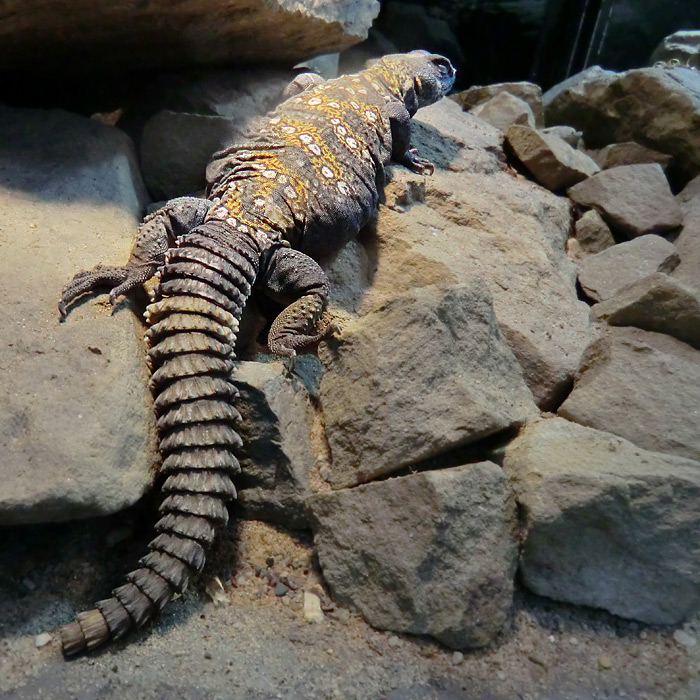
682 46
688 242
656 107
176 147
503 110
76 424
478 94
277 456
312 607
633 199
607 524
603 274
389 402
41 640
552 162
656 303
135 35
629 153
642 386
444 567
567 133
593 234
684 639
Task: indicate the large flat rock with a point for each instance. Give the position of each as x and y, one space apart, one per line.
642 386
134 34
76 427
607 524
431 553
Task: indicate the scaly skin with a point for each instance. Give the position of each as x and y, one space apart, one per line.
305 186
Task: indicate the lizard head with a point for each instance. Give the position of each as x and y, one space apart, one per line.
429 75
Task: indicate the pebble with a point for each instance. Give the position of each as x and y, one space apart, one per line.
394 641
29 584
457 658
573 641
501 676
312 607
604 662
684 639
281 589
41 640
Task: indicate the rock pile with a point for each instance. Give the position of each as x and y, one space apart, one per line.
529 274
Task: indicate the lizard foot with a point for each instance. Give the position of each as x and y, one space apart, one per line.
416 164
120 280
286 344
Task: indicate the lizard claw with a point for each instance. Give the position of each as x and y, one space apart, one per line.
416 164
120 280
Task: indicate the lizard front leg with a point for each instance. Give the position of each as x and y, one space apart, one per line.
401 152
156 234
290 273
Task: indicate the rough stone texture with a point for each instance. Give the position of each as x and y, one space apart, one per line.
552 162
629 153
633 199
431 553
656 303
683 46
688 242
425 372
76 426
567 133
277 457
656 107
642 386
477 94
503 110
593 234
607 524
134 34
176 147
603 274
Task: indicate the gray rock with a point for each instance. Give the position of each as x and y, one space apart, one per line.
427 371
607 524
503 110
593 234
137 36
477 221
656 107
688 242
656 303
277 456
552 162
642 386
431 553
567 133
682 46
629 153
603 274
529 92
76 426
633 199
176 147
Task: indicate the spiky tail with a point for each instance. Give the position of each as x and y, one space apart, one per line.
204 286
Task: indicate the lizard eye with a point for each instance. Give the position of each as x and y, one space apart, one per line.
444 66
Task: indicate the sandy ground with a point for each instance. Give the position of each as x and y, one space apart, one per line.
246 642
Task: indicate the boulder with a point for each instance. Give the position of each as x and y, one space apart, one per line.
552 162
76 423
603 274
425 372
478 94
137 35
642 386
633 199
431 553
503 110
277 457
629 153
593 234
656 303
688 242
476 221
606 523
656 107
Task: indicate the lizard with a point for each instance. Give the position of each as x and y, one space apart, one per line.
304 185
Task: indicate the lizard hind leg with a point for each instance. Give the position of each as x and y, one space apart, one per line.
290 273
